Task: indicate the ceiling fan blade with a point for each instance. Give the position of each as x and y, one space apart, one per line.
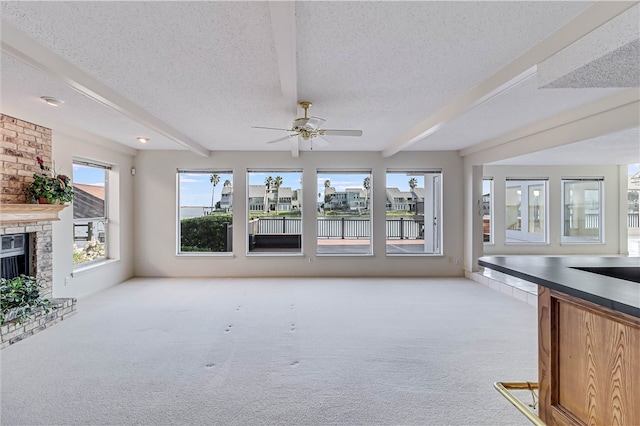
283 138
315 122
271 128
334 132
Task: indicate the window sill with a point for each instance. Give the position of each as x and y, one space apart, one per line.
82 269
275 254
195 254
414 255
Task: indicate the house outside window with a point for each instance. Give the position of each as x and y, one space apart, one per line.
205 212
274 204
90 212
582 215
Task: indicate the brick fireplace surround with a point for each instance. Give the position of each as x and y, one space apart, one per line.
21 143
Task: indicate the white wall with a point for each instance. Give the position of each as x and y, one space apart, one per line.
121 205
156 224
613 243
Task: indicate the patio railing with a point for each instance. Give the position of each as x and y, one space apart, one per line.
342 228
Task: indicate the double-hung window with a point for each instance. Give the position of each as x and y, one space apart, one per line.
90 212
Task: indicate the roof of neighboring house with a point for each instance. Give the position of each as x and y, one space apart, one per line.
95 190
285 192
88 201
396 193
419 193
330 190
227 190
256 191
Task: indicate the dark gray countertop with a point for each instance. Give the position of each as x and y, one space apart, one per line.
558 273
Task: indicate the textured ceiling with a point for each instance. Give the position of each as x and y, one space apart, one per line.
210 71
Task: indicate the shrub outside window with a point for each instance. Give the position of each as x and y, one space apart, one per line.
205 219
90 213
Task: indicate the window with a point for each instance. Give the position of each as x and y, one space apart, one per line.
205 219
526 211
90 213
487 210
343 214
274 204
582 211
413 212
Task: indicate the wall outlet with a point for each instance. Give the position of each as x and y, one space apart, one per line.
67 280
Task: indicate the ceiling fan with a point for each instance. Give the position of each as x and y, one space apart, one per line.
307 128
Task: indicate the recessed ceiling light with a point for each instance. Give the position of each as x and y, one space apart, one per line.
52 101
143 139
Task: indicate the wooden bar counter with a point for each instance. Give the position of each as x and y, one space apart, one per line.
588 336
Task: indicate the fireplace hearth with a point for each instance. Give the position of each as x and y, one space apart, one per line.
27 248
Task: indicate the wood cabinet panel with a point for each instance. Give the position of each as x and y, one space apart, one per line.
589 363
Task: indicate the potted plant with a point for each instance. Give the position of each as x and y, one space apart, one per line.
49 187
20 297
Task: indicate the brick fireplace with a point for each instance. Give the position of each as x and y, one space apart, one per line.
21 143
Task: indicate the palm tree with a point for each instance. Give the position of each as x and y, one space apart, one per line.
277 183
268 182
214 179
413 182
226 183
366 184
327 184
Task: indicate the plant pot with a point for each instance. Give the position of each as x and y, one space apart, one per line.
42 200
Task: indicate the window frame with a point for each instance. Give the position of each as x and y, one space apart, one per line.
435 208
601 211
107 170
273 172
525 208
205 171
491 211
344 199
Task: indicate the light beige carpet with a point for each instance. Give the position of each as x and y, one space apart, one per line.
276 352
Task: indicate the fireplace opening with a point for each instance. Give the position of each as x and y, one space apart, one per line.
14 256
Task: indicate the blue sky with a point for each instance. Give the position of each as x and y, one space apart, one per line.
195 188
88 175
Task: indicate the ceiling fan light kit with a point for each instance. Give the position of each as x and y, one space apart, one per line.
307 128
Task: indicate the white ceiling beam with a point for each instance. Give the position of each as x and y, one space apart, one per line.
612 114
592 18
609 103
283 27
19 45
